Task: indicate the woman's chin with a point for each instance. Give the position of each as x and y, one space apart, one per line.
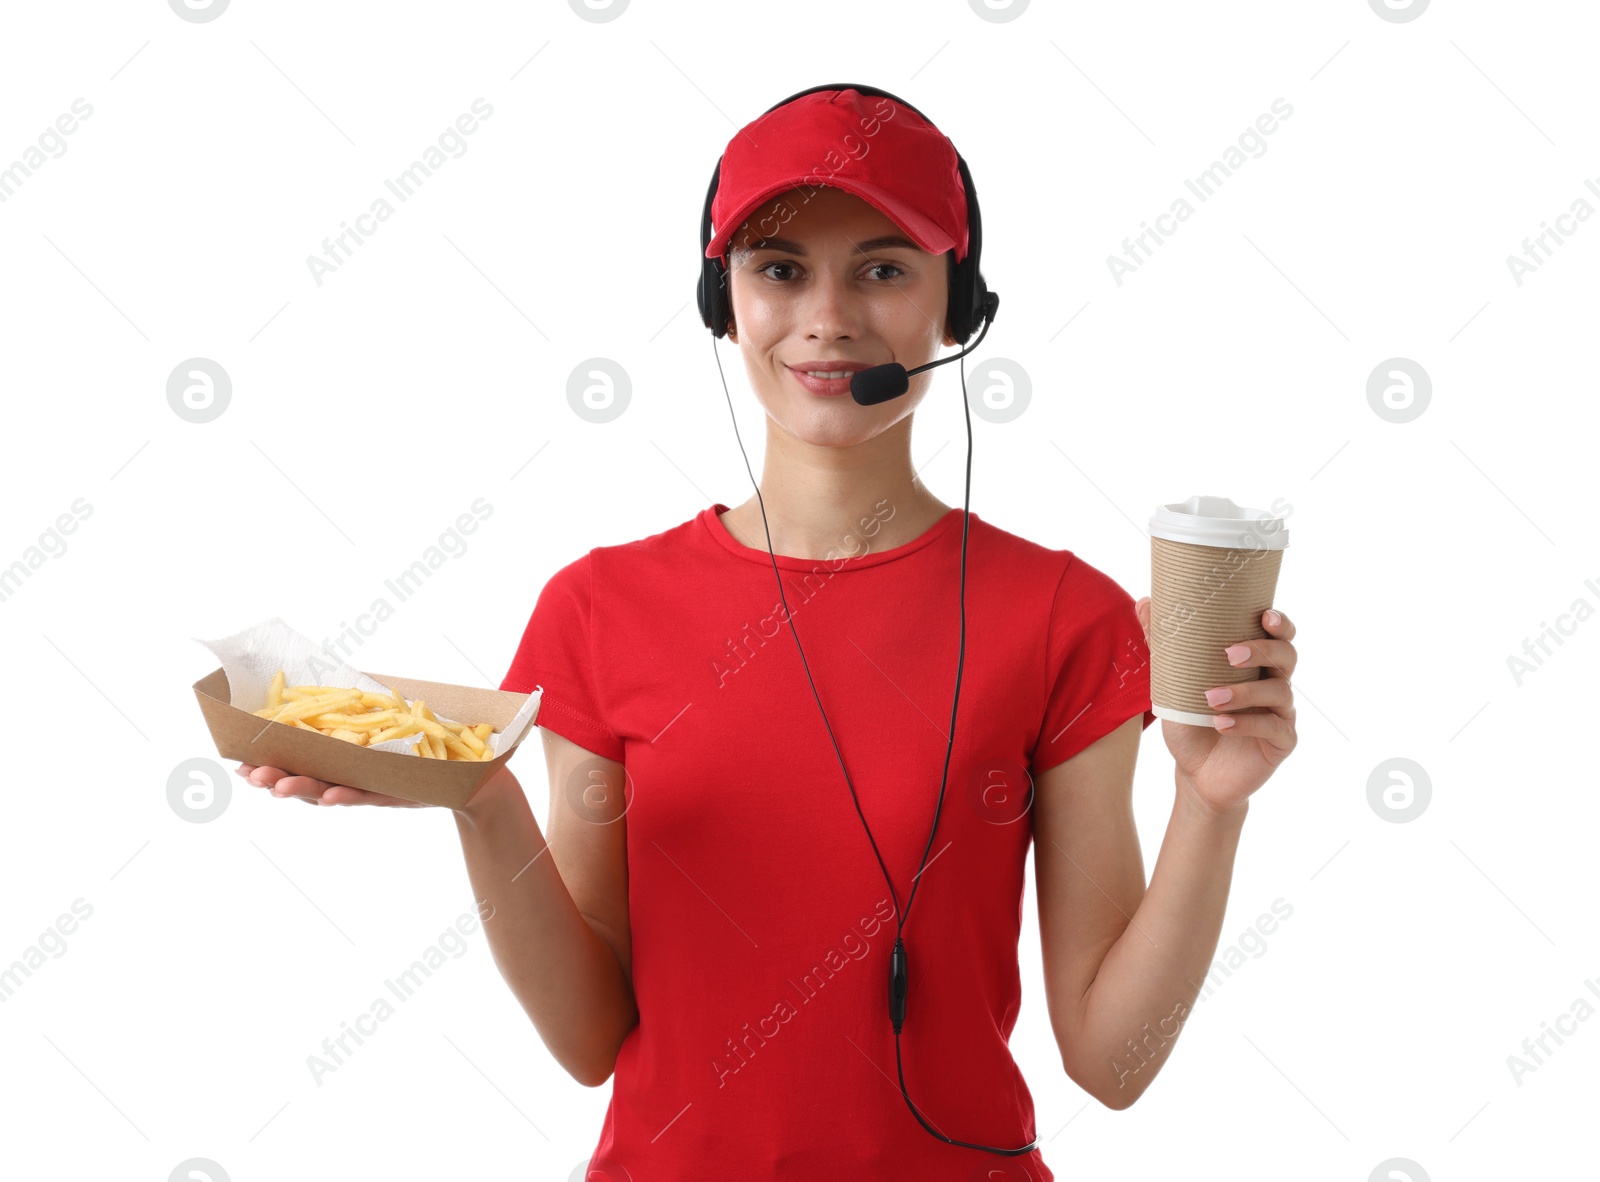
830 427
832 420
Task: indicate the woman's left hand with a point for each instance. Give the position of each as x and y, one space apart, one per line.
1220 766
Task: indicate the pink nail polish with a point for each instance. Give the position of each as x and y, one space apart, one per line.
1236 653
1218 697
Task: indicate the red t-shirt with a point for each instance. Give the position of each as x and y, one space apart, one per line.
761 922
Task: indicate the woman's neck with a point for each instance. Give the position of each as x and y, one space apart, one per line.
817 496
809 527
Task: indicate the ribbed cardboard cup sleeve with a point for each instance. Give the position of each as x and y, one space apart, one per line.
1213 572
1203 599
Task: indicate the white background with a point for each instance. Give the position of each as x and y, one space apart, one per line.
431 369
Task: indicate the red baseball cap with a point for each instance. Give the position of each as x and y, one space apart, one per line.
869 145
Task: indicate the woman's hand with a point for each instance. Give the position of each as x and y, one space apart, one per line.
314 791
1220 766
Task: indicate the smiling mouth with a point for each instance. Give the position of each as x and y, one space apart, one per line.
836 386
824 371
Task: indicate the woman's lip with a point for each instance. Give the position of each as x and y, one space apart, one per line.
824 386
830 366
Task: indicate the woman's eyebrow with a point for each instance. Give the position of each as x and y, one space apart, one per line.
789 246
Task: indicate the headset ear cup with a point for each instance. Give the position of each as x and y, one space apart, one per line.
711 296
968 293
710 290
962 306
950 317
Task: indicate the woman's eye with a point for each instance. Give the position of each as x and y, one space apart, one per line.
765 269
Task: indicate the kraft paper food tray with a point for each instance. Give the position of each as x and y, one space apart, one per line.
249 738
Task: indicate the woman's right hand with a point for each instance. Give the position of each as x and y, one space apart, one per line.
314 791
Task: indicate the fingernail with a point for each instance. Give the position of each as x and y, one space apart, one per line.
1236 653
1222 722
1273 619
1217 697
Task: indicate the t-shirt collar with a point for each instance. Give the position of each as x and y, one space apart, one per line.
853 552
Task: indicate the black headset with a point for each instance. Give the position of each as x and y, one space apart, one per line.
968 293
970 303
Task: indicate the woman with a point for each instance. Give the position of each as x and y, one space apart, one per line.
728 876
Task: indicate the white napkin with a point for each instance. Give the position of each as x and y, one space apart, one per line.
251 658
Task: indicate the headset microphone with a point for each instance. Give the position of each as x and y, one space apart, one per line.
883 382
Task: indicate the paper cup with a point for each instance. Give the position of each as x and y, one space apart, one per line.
1213 571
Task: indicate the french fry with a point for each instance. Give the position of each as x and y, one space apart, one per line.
480 749
431 728
378 718
365 719
311 706
281 710
400 730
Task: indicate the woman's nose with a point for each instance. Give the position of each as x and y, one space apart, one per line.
832 308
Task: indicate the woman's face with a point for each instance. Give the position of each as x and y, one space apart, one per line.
810 293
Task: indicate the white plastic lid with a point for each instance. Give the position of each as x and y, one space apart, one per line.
1217 521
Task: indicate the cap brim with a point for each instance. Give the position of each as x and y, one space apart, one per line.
922 230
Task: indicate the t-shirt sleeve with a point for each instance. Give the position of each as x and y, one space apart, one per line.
1097 665
557 654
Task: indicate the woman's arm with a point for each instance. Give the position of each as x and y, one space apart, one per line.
566 959
1123 964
